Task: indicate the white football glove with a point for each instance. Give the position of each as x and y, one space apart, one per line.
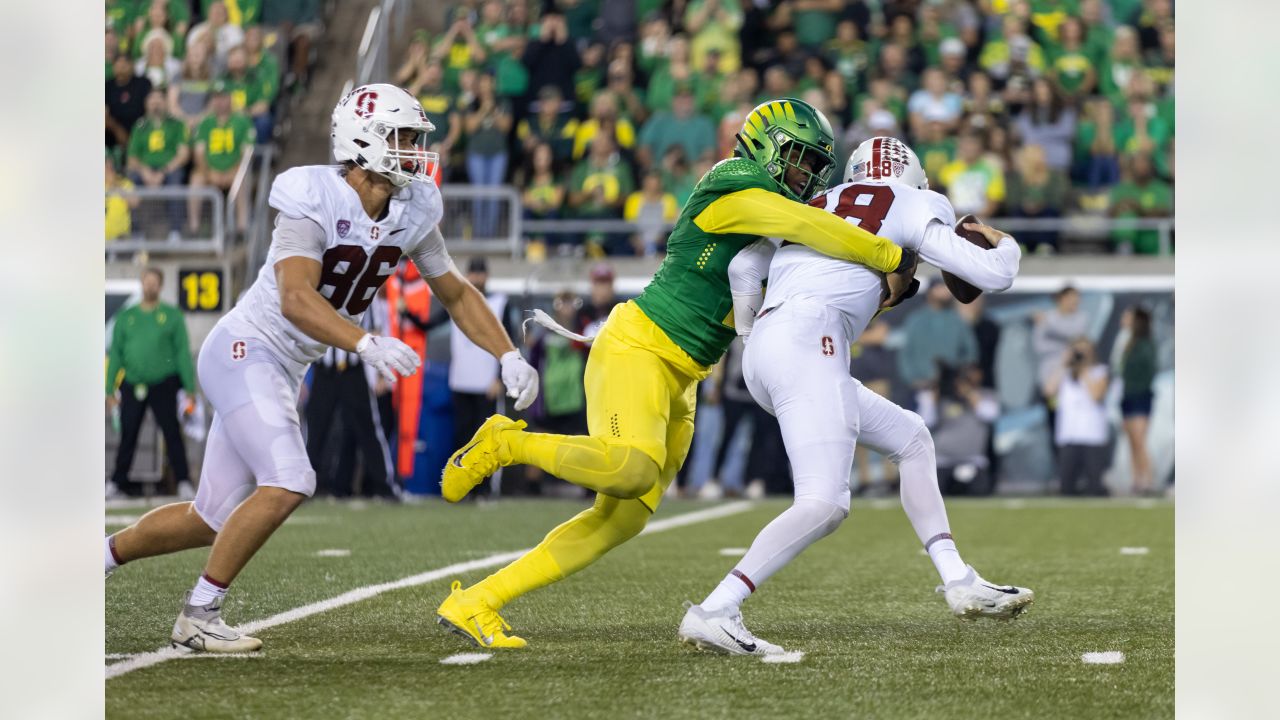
388 356
520 378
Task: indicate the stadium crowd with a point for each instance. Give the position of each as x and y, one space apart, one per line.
190 85
1018 108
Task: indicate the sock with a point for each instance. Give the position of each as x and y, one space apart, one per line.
942 551
922 501
732 590
610 468
799 526
572 546
206 591
110 558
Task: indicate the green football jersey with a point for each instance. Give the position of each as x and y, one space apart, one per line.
689 295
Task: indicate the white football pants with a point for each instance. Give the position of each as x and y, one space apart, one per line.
796 365
256 437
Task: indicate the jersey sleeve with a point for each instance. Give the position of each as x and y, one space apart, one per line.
297 237
757 212
294 194
990 270
430 255
747 273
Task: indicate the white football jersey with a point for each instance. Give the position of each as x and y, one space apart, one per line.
893 211
358 256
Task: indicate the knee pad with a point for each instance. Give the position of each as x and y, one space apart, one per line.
214 508
921 440
634 474
823 516
301 480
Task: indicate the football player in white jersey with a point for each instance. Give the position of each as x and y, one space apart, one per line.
796 366
340 233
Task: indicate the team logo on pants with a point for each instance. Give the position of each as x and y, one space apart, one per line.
828 346
238 350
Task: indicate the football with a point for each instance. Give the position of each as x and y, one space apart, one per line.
960 289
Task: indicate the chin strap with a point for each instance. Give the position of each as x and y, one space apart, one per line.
540 317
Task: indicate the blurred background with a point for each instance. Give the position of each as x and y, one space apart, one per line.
570 134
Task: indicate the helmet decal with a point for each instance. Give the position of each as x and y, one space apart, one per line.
366 102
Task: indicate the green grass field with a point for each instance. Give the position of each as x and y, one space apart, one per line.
878 642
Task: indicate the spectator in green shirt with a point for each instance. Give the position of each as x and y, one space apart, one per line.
459 49
220 142
550 125
160 21
1121 65
682 126
1073 72
149 361
1001 56
715 24
598 188
250 94
849 55
936 148
158 154
1140 195
441 108
814 20
1035 190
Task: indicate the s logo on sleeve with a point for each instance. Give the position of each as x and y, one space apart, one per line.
238 350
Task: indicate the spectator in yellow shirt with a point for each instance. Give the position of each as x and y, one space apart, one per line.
974 183
119 217
653 210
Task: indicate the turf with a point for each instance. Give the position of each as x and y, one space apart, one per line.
878 642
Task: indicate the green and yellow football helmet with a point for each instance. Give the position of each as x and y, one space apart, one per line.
773 133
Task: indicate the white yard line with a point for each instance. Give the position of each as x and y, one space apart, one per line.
1110 657
465 658
143 660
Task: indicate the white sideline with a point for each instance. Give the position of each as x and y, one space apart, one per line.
143 660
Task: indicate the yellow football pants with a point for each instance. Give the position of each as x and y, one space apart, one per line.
641 394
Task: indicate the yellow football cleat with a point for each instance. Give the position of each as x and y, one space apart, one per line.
472 618
478 459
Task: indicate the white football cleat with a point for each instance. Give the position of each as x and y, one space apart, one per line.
721 631
201 629
971 597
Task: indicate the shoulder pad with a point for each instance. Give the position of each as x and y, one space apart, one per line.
296 193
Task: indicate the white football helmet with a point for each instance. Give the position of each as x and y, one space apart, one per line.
888 159
364 132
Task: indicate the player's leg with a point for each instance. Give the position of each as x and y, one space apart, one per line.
902 435
815 402
628 392
581 540
256 399
225 481
267 436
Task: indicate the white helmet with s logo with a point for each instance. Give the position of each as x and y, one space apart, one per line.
365 131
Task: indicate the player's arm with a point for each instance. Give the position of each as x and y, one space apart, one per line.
299 244
990 270
304 306
473 316
756 211
747 273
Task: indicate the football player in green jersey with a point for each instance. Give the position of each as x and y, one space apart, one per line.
645 365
